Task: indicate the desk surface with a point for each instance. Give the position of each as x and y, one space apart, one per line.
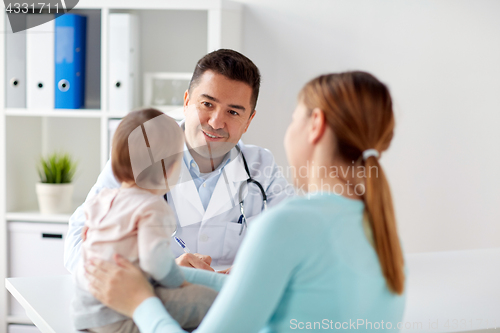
446 292
454 291
47 301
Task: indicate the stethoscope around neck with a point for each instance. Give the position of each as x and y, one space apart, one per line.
243 219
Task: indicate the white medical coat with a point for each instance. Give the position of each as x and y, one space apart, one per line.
214 231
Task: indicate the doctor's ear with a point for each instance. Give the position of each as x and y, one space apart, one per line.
317 125
186 99
250 120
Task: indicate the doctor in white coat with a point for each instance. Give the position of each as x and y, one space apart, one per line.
218 106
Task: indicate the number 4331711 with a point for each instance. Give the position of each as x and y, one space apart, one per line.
16 8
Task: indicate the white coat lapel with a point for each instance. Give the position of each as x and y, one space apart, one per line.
225 195
186 198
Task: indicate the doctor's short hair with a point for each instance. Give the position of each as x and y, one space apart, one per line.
234 66
138 139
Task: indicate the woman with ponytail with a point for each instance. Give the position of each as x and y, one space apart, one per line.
356 109
329 259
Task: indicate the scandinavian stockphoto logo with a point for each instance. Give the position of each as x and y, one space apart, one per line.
40 12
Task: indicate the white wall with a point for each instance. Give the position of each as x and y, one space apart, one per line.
441 60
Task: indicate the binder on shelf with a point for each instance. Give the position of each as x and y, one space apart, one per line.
40 62
15 69
123 62
70 50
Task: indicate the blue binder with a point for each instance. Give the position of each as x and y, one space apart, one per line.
70 49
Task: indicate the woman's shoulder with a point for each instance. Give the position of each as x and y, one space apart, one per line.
317 206
295 207
287 215
310 217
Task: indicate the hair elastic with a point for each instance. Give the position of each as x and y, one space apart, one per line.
370 152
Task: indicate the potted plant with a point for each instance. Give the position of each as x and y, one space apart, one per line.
55 188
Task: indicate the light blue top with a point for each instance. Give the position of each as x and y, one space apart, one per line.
305 264
204 182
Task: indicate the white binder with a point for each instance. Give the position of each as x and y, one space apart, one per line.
112 126
123 62
40 62
15 69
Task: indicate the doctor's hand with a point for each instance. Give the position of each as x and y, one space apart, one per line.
121 286
195 260
225 271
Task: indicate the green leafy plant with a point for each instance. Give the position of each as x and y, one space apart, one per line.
57 168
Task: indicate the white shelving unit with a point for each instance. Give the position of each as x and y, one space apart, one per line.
174 34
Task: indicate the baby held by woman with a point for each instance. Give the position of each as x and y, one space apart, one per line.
137 223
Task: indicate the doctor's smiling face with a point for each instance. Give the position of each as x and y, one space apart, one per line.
218 111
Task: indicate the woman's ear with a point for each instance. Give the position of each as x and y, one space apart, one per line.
318 125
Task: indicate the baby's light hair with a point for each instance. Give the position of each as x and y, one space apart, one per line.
146 145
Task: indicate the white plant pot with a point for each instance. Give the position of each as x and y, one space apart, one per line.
54 198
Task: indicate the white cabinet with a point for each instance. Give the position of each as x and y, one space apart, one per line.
35 249
173 36
23 329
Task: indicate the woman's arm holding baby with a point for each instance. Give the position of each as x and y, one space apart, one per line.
122 276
